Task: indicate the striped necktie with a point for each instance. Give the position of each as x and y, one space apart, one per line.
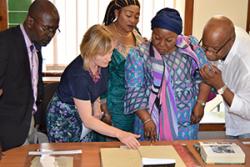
34 74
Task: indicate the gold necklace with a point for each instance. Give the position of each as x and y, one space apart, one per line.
121 35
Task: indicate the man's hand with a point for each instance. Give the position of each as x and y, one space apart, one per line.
212 76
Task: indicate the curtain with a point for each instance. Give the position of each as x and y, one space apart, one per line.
76 16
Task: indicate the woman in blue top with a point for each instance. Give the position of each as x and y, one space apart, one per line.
75 108
163 85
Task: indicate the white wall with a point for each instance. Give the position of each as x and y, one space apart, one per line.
180 6
236 10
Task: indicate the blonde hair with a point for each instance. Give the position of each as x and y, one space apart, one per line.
97 40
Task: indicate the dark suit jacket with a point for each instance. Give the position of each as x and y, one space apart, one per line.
17 99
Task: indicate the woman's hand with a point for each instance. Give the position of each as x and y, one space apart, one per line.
96 108
150 130
1 92
129 139
107 118
85 110
197 113
148 123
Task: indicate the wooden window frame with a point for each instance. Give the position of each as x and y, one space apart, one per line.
3 15
248 17
189 12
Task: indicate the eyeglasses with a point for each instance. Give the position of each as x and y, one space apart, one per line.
45 28
212 50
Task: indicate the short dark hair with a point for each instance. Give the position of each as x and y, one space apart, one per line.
42 6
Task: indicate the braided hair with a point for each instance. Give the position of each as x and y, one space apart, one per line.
117 4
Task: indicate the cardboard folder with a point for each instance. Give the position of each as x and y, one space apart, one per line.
123 157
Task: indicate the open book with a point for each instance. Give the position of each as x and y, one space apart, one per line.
222 152
145 156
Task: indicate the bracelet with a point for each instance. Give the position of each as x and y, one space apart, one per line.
201 102
148 120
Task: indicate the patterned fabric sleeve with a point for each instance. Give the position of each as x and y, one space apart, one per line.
136 94
202 60
189 45
198 51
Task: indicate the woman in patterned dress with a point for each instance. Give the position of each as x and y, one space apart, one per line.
75 108
121 18
163 82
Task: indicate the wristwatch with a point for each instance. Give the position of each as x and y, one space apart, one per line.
222 90
201 102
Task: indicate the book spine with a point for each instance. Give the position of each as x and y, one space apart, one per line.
186 155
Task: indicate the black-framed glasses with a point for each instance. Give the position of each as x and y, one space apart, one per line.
212 50
45 28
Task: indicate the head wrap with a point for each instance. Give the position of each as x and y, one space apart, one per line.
167 18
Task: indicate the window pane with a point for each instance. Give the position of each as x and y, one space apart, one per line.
77 16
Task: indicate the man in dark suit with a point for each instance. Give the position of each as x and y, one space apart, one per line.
21 71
